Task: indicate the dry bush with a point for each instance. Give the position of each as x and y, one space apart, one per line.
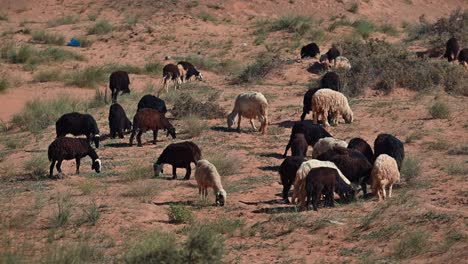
186 105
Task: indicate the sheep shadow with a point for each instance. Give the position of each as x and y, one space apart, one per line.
316 68
185 203
274 201
276 210
287 124
269 168
222 129
117 145
271 155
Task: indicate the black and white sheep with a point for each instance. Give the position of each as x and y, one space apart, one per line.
150 119
311 132
78 124
171 72
331 80
362 146
451 49
151 101
310 50
390 145
118 121
287 172
463 57
119 82
179 155
66 148
207 176
187 71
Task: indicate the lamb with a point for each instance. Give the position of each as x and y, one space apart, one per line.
311 132
188 71
208 177
65 148
78 124
321 181
151 101
331 80
118 121
119 81
327 143
354 165
171 72
326 102
250 105
451 49
390 145
346 191
179 155
150 119
310 50
287 172
362 146
299 145
385 173
463 57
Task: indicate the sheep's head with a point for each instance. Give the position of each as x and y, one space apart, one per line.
97 165
199 76
96 140
230 120
158 169
171 131
221 198
348 117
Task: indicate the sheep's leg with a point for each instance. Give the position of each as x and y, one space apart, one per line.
189 171
199 190
253 124
286 188
316 196
364 189
155 136
174 172
390 190
131 137
59 166
238 123
114 96
384 192
77 160
139 138
309 196
303 115
325 118
288 146
121 133
52 168
330 197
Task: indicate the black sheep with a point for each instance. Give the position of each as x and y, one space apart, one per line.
179 155
331 80
321 181
189 71
307 102
311 131
451 49
299 145
362 146
331 55
352 163
66 148
310 51
118 121
150 119
119 81
287 172
151 101
463 57
78 124
390 145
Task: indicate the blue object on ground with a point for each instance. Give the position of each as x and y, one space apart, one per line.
74 43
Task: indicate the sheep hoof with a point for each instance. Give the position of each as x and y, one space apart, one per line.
60 175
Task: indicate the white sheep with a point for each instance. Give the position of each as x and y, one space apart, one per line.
299 193
208 177
385 173
250 105
327 143
339 62
327 102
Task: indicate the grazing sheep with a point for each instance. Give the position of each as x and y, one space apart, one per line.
287 172
362 146
354 165
390 145
299 145
151 101
179 155
171 72
188 71
307 102
78 124
118 121
66 148
327 102
310 50
463 57
119 81
208 177
330 56
327 143
150 119
331 80
250 105
311 132
321 181
385 173
346 191
340 62
451 49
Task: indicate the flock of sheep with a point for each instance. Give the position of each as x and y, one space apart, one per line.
336 166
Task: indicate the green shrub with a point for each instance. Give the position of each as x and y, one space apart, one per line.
364 28
58 54
91 214
410 169
84 41
179 214
100 28
439 110
353 8
157 247
389 30
37 166
47 75
111 67
81 252
194 125
186 105
226 165
136 171
258 70
192 4
48 38
62 215
457 169
203 245
205 16
3 17
29 55
4 83
89 77
292 23
153 67
66 20
411 245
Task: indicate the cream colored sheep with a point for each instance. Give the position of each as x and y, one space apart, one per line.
299 193
325 144
385 173
207 176
250 105
327 102
339 62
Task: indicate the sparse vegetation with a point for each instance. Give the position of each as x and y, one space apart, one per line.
194 125
32 57
3 17
207 17
257 70
457 169
84 41
62 215
203 245
186 105
136 171
142 190
48 38
226 165
364 28
192 4
66 20
89 77
410 169
411 245
87 186
100 28
153 67
81 252
179 214
157 247
47 75
91 214
353 8
439 110
4 83
37 166
294 24
459 150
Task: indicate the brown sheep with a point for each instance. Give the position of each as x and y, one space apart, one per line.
150 119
